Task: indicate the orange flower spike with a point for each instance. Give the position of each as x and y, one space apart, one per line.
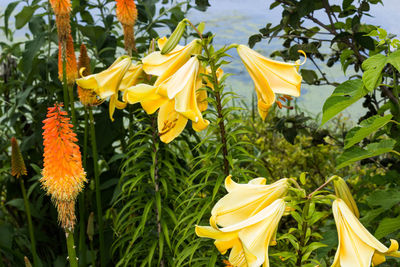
84 61
127 15
126 12
61 7
62 175
17 162
71 67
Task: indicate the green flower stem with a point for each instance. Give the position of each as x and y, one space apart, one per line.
97 185
218 100
155 181
73 260
64 67
82 225
322 186
30 225
396 90
302 241
72 104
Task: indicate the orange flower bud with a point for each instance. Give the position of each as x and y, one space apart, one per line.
61 7
71 67
84 61
17 162
62 175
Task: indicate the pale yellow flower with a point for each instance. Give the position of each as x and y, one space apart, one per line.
342 191
118 77
357 247
250 238
164 66
246 200
270 77
176 98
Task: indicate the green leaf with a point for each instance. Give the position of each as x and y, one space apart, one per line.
31 49
344 95
394 59
366 127
10 8
24 16
309 76
387 226
373 67
356 153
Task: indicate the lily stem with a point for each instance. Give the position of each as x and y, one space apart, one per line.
303 236
218 100
156 186
73 260
72 104
322 186
97 185
30 225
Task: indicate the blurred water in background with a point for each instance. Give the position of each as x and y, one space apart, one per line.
233 21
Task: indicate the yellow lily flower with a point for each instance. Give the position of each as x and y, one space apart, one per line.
249 239
176 98
201 95
357 247
270 77
119 76
164 66
245 200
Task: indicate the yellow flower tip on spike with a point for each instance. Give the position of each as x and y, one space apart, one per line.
63 176
71 66
270 77
248 246
342 191
27 262
17 162
357 247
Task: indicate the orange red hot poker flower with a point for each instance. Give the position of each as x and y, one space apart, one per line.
71 67
127 15
62 9
62 175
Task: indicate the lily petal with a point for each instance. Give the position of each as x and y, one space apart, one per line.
170 122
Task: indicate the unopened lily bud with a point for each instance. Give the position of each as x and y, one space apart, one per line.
174 38
342 191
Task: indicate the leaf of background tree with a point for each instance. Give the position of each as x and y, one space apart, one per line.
366 127
356 153
373 67
344 95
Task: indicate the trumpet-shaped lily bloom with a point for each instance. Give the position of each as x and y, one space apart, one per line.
176 98
270 77
245 200
164 66
357 247
118 77
250 238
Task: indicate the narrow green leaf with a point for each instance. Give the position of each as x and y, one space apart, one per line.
366 127
344 95
373 67
10 8
356 153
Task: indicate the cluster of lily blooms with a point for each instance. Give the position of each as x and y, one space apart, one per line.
246 221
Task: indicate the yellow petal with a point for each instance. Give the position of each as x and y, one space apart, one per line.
243 203
356 245
131 77
342 191
164 66
270 77
146 95
107 82
230 185
170 122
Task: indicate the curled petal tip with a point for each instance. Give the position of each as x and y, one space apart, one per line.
305 57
